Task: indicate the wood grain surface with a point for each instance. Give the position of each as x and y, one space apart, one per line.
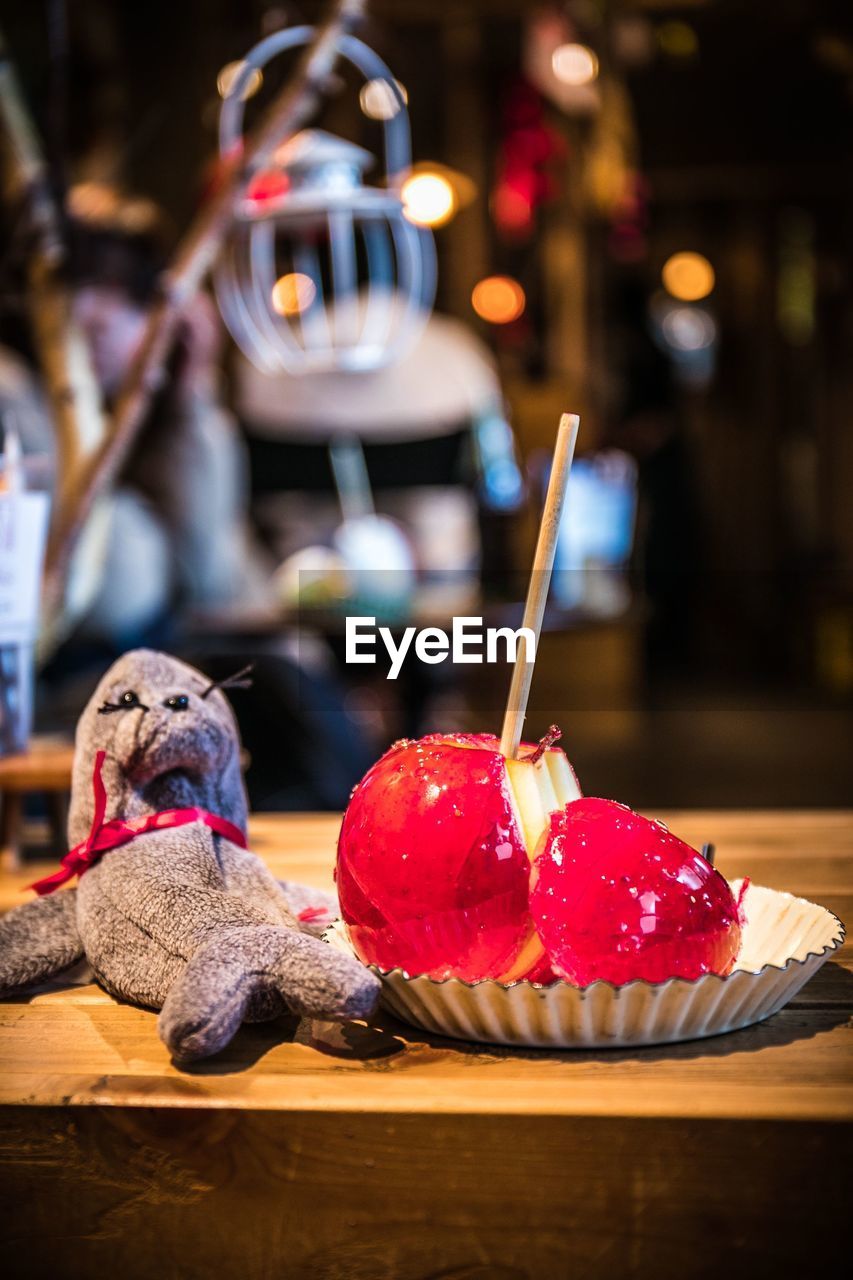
310 1150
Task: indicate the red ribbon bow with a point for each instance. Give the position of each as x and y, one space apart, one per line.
118 831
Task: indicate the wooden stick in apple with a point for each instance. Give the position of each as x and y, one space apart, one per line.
540 579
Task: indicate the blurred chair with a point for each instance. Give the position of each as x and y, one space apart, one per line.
44 770
417 422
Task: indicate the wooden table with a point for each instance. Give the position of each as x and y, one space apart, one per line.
384 1153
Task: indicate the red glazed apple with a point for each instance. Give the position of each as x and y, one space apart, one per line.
435 853
616 896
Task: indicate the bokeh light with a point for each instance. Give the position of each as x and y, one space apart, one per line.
102 204
512 209
293 293
678 39
498 299
689 328
688 276
228 75
574 64
428 199
93 201
378 100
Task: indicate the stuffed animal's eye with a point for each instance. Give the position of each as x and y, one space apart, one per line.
177 702
127 700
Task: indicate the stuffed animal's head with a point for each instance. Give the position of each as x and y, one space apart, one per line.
170 741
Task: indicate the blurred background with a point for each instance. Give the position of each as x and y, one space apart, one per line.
642 211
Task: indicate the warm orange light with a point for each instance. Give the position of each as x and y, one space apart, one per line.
428 199
688 276
228 76
293 293
498 299
101 204
93 201
574 64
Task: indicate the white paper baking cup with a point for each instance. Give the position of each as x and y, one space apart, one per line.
784 942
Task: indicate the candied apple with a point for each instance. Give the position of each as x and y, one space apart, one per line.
617 896
435 850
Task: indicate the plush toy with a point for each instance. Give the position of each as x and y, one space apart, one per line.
171 909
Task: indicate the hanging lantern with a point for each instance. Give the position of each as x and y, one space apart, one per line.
322 271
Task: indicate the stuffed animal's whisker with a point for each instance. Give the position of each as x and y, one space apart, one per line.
241 679
109 707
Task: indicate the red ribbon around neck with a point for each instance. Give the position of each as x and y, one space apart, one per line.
118 831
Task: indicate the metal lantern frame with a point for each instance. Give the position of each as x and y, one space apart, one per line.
371 329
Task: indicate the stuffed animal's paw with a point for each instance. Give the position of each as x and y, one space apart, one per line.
191 1030
37 940
256 972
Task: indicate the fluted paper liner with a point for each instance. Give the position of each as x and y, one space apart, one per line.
784 942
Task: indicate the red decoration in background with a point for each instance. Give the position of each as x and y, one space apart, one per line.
529 151
627 241
266 184
512 204
269 184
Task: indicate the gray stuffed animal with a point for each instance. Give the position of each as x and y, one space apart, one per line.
171 911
